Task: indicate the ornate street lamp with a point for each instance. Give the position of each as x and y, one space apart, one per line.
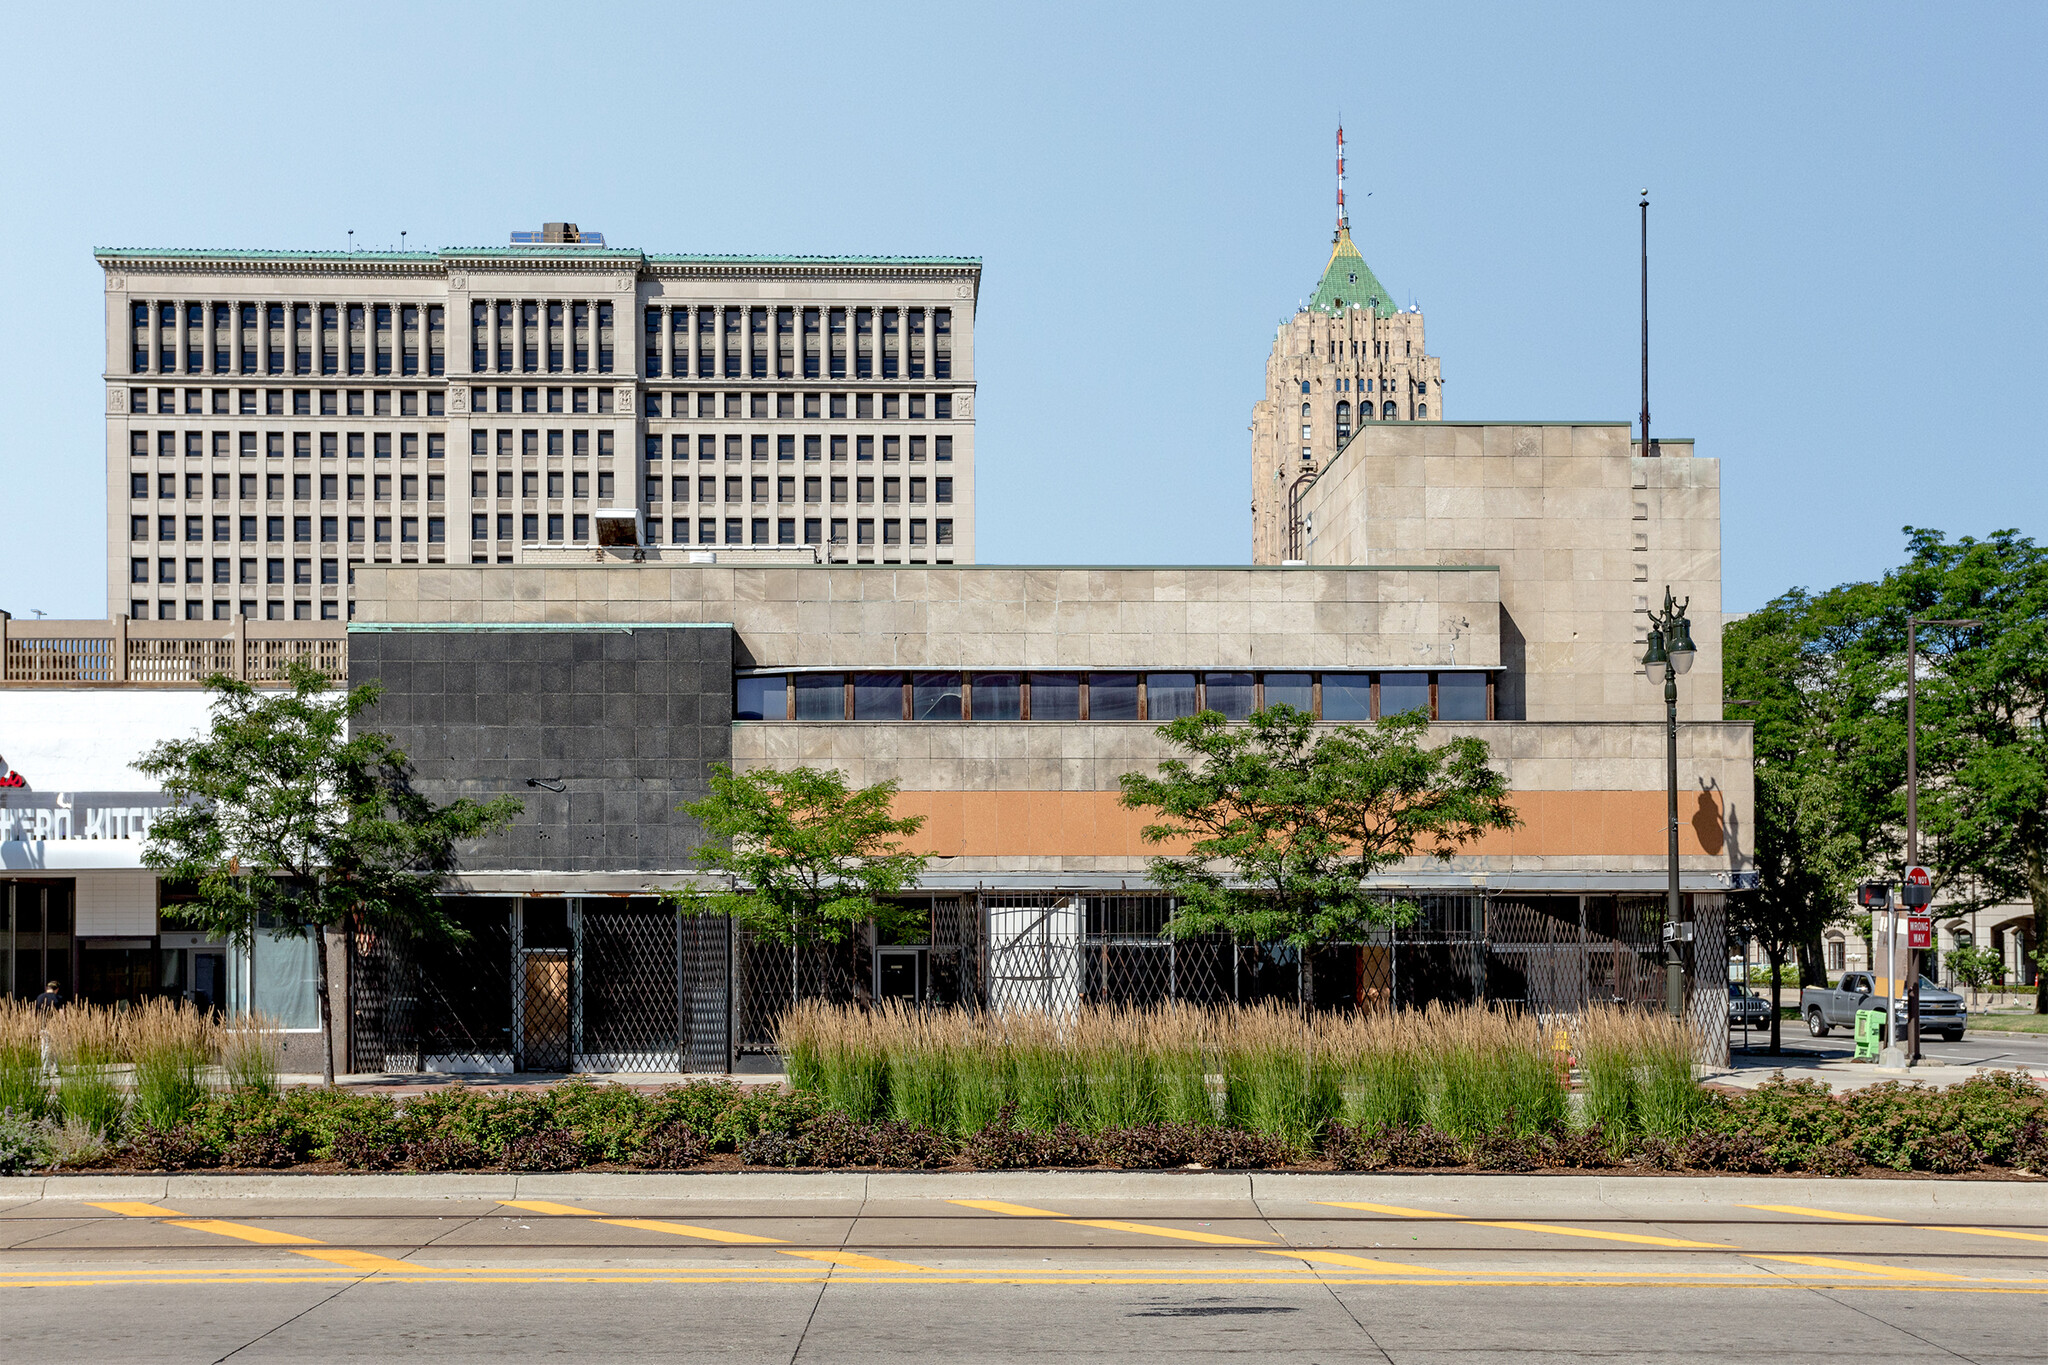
1669 651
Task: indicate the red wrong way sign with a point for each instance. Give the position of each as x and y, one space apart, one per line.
1919 885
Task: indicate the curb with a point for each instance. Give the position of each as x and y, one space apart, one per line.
1256 1187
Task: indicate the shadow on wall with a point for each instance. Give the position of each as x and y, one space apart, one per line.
1509 703
1707 825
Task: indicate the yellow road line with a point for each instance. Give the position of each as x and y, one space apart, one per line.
136 1210
1820 1213
243 1232
1112 1224
1355 1262
1868 1268
363 1261
1638 1238
854 1260
2010 1233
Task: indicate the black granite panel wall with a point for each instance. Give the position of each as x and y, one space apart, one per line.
626 720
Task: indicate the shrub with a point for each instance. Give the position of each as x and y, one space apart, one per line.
262 1146
1580 1148
363 1147
24 1085
1946 1153
1506 1150
611 1120
1834 1159
181 1148
24 1144
445 1152
1413 1146
1740 1152
75 1144
672 1147
548 1149
2029 1147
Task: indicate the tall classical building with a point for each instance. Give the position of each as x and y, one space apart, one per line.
277 418
1348 357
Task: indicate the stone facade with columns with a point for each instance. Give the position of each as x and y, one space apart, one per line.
277 418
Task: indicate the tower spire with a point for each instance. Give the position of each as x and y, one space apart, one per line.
1343 215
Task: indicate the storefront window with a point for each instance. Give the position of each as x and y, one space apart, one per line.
284 980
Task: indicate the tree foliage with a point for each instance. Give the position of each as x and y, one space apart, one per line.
1287 822
1827 673
286 817
811 859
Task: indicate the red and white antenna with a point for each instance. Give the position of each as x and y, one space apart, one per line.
1343 218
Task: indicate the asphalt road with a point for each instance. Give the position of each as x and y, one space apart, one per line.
1415 1269
1975 1049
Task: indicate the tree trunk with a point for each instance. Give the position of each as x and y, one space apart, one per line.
1307 984
326 1010
1812 961
1777 977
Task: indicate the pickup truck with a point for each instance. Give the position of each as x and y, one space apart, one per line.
1941 1012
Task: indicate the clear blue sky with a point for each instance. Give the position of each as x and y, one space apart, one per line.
1846 244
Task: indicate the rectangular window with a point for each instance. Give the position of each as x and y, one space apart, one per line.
1460 696
1055 696
878 696
996 696
1348 696
942 447
1169 696
1230 694
1290 689
942 490
479 526
820 696
1399 692
942 531
935 696
1112 696
762 699
382 528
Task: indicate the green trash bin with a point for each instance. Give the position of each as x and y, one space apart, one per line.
1869 1034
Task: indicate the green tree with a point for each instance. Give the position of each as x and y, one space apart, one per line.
1286 822
1983 699
1807 864
1974 966
286 817
810 859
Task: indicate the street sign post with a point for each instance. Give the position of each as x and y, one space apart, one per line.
1916 891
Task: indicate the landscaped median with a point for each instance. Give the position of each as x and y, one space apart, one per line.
1241 1089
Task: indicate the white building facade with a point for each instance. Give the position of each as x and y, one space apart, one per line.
275 418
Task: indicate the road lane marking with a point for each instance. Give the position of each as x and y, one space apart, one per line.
1820 1213
363 1261
1866 1267
851 1259
1355 1262
644 1224
1111 1224
2010 1233
243 1232
1639 1238
854 1260
136 1210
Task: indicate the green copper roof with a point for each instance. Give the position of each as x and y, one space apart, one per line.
1348 282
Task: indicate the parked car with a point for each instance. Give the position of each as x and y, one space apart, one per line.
1941 1012
1746 1006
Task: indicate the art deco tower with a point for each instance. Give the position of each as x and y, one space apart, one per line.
1348 357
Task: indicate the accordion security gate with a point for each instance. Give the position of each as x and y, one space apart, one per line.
616 984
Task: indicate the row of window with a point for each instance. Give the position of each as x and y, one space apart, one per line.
299 339
379 486
244 529
331 402
530 443
737 447
856 406
224 611
330 444
814 489
518 335
480 484
737 342
1147 696
223 571
818 531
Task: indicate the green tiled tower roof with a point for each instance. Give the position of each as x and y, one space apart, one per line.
1348 282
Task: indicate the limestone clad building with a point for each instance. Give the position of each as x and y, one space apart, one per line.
276 419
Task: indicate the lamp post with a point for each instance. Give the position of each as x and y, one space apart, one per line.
1670 650
1913 624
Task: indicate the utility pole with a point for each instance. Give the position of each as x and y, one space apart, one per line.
1649 450
1913 624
